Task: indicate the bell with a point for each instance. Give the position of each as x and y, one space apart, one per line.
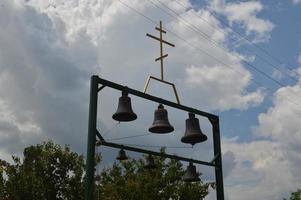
121 156
191 175
193 133
161 123
150 163
124 111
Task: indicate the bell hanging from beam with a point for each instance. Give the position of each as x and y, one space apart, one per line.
161 123
191 175
150 163
124 111
193 133
122 155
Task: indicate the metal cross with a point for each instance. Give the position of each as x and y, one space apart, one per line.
161 47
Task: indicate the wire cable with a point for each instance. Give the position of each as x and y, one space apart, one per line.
204 52
216 43
109 130
231 36
127 137
240 37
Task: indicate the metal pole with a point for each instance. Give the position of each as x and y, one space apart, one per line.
218 160
90 161
175 157
161 51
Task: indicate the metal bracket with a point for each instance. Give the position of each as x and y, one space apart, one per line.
99 136
213 120
100 88
162 81
215 157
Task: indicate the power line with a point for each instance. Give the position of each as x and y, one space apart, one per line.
204 52
241 37
216 43
206 36
250 42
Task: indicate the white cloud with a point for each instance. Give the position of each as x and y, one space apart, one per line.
212 73
270 163
107 27
245 14
205 78
51 49
286 110
42 77
296 1
261 166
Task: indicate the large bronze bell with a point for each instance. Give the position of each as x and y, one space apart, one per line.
193 133
161 123
124 111
150 162
191 175
122 155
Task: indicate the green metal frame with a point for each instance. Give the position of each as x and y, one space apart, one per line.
92 133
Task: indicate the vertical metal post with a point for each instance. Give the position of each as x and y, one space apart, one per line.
161 51
218 160
90 160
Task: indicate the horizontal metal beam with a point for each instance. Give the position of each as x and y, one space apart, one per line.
175 157
156 99
161 57
154 37
161 30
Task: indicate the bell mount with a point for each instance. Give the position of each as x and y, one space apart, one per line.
161 58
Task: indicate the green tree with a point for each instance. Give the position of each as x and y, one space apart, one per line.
295 195
3 165
130 180
48 171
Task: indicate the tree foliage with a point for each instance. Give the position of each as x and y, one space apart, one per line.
49 172
295 195
130 180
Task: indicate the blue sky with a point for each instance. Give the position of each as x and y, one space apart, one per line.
284 44
49 50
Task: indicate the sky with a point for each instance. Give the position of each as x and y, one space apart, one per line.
240 60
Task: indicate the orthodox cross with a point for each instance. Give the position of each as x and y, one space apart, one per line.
160 39
161 46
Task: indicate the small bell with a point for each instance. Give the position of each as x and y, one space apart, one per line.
121 156
193 133
98 143
124 111
191 175
150 163
161 123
